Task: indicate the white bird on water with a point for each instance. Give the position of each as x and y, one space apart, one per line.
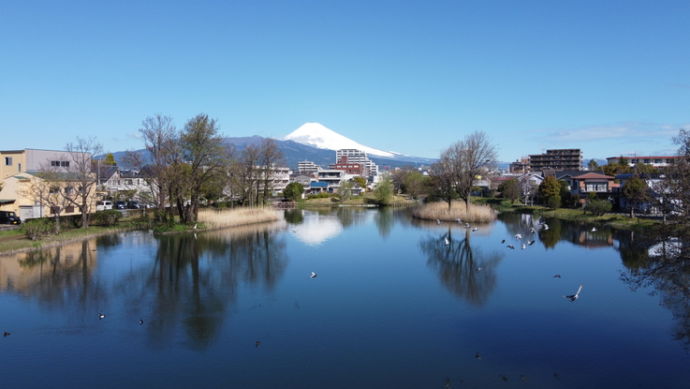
101 316
575 296
312 275
438 221
518 236
524 246
546 226
594 229
475 229
194 228
446 241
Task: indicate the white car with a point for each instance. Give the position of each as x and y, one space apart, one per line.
104 205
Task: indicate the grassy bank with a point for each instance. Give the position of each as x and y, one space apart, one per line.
21 243
478 213
13 241
614 220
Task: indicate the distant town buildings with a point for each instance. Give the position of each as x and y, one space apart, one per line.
558 159
520 166
656 161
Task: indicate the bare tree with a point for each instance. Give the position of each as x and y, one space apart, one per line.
244 176
269 157
460 164
158 132
47 189
80 172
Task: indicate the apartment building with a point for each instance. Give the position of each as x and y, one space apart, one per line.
557 159
654 160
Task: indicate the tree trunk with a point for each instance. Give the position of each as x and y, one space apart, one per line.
57 223
467 204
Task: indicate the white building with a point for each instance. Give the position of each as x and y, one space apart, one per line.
307 168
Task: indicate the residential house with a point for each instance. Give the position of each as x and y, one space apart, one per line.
592 183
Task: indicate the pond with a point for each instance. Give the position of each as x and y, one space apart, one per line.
396 302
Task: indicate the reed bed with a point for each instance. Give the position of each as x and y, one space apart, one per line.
237 217
439 211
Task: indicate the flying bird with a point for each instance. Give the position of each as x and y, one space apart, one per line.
575 296
312 275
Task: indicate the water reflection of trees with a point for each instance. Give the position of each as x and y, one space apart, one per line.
194 279
56 277
190 282
661 263
465 271
384 220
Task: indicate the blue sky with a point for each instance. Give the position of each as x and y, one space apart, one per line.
610 77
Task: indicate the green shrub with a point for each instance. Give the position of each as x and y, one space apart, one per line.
36 228
322 195
553 201
598 207
107 218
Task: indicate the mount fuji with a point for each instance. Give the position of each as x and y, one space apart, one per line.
319 136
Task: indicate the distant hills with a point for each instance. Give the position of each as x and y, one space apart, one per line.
312 142
317 143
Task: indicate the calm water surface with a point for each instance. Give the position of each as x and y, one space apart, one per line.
397 303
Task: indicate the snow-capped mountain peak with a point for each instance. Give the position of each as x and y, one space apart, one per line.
318 135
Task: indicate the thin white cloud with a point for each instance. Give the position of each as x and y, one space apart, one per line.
626 132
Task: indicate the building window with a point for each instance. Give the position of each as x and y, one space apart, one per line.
69 209
54 163
8 161
64 163
19 167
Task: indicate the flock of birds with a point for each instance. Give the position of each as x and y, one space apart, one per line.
523 245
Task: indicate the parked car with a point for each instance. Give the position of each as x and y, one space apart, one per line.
133 205
7 217
120 205
104 205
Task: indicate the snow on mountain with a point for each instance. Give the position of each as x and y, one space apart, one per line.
318 135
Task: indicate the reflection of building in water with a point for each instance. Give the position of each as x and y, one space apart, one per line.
593 239
24 272
317 229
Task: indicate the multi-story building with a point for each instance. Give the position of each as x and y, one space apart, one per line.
330 179
32 160
348 167
353 156
557 159
656 161
307 168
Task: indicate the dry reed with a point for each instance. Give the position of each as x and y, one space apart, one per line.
237 217
439 211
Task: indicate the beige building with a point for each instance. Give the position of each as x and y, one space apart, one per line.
29 196
32 197
32 160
